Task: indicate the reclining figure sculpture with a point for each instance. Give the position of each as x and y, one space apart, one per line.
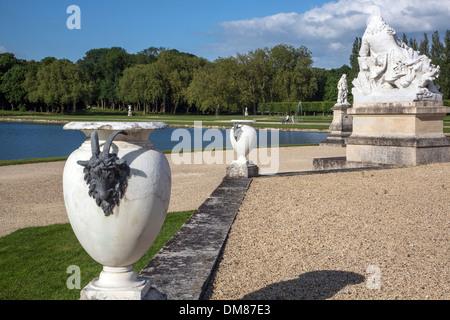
390 71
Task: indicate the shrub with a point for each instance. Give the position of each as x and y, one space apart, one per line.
308 107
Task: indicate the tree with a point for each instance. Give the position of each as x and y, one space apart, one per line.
437 49
7 61
424 46
58 84
305 85
405 39
201 90
148 55
12 86
132 85
105 67
321 77
413 44
444 78
292 80
354 64
246 80
261 72
215 86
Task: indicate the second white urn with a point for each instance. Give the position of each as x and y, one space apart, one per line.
243 139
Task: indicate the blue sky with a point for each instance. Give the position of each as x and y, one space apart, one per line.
208 28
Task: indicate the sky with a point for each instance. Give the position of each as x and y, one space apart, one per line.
209 28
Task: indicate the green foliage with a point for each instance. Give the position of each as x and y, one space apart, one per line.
444 78
354 65
215 86
310 107
282 73
58 84
12 85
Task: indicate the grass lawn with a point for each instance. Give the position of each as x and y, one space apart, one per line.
34 261
263 121
318 122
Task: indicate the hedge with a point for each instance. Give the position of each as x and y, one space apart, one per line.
308 107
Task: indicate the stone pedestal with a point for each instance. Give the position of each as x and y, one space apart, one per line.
407 133
120 284
341 127
242 170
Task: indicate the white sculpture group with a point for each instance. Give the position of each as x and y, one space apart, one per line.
390 70
398 112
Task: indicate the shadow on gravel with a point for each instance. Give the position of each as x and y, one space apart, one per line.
315 285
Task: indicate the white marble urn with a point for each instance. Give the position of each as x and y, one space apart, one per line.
243 139
117 189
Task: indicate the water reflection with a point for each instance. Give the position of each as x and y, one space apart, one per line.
22 140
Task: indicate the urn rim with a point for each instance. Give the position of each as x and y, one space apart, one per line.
243 121
114 126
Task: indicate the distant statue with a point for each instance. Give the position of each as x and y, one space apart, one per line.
342 90
246 111
130 111
390 71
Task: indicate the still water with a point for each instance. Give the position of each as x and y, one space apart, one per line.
23 140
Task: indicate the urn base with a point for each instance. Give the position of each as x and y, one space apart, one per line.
120 284
242 170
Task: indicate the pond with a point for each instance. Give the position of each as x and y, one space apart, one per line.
26 140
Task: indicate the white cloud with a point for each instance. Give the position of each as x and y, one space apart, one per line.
330 30
3 49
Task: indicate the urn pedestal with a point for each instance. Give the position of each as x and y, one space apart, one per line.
117 189
398 133
243 139
341 127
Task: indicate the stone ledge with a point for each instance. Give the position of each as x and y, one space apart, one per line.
182 268
333 143
398 141
338 163
399 108
402 104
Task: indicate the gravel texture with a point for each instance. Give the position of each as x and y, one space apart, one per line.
373 234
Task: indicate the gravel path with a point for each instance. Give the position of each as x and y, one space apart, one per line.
373 234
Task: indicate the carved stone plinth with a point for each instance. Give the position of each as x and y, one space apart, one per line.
242 170
341 127
409 133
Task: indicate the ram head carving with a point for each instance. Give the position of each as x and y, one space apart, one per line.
105 174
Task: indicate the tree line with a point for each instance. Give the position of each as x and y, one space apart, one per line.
159 80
